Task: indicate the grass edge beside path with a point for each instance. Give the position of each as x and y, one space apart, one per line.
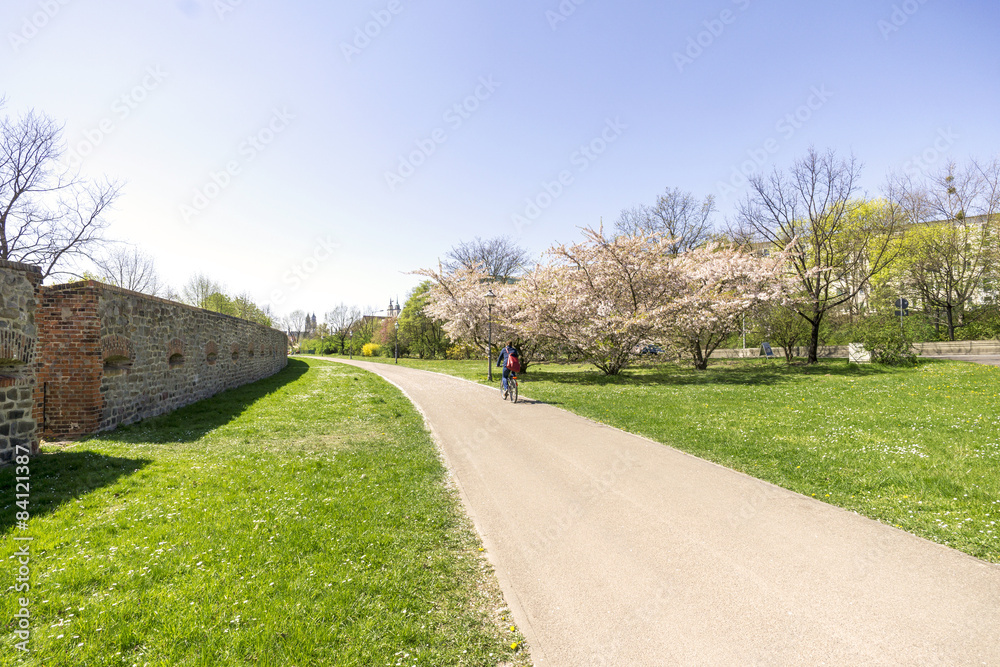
306 519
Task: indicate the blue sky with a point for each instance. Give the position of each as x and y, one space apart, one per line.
313 153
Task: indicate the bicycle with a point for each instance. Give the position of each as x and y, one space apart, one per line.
511 392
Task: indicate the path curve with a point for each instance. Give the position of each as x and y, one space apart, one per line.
615 550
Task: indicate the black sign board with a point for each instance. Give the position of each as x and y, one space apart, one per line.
765 350
902 306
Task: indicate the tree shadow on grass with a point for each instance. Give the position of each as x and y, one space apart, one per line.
59 477
754 373
191 422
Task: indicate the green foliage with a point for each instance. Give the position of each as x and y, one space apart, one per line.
782 327
463 351
419 334
983 323
887 341
241 306
325 345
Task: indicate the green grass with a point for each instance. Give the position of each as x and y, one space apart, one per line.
917 448
301 520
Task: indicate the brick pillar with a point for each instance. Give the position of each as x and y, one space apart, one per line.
68 394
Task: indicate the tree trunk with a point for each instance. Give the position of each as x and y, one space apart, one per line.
700 361
951 322
814 343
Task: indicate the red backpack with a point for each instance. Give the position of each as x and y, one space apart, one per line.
513 363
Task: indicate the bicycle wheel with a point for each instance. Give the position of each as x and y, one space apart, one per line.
513 390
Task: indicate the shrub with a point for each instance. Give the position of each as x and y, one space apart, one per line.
370 349
462 351
887 342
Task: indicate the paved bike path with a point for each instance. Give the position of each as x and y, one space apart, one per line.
615 550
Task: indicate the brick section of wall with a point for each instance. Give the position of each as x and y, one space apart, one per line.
133 356
18 359
68 394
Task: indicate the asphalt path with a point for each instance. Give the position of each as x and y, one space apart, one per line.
615 550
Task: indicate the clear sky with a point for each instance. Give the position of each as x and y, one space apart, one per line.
313 153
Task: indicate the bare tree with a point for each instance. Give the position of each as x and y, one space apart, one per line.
292 324
130 268
340 320
840 240
169 293
676 215
198 290
48 217
956 244
500 257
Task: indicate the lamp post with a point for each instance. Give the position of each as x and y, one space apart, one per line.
351 336
395 314
490 299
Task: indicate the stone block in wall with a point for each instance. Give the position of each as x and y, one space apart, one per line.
18 359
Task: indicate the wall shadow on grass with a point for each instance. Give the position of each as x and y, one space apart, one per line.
59 477
754 373
192 422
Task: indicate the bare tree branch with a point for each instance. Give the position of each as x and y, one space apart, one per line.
48 217
130 268
676 215
500 257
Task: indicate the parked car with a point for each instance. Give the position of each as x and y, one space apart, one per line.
651 349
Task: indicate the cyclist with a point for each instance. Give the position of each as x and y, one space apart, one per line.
509 360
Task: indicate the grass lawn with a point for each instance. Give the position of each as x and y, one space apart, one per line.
917 448
301 520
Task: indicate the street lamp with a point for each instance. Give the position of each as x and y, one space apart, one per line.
395 314
490 300
351 335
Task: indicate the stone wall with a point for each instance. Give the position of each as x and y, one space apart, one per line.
958 347
822 352
18 349
110 356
